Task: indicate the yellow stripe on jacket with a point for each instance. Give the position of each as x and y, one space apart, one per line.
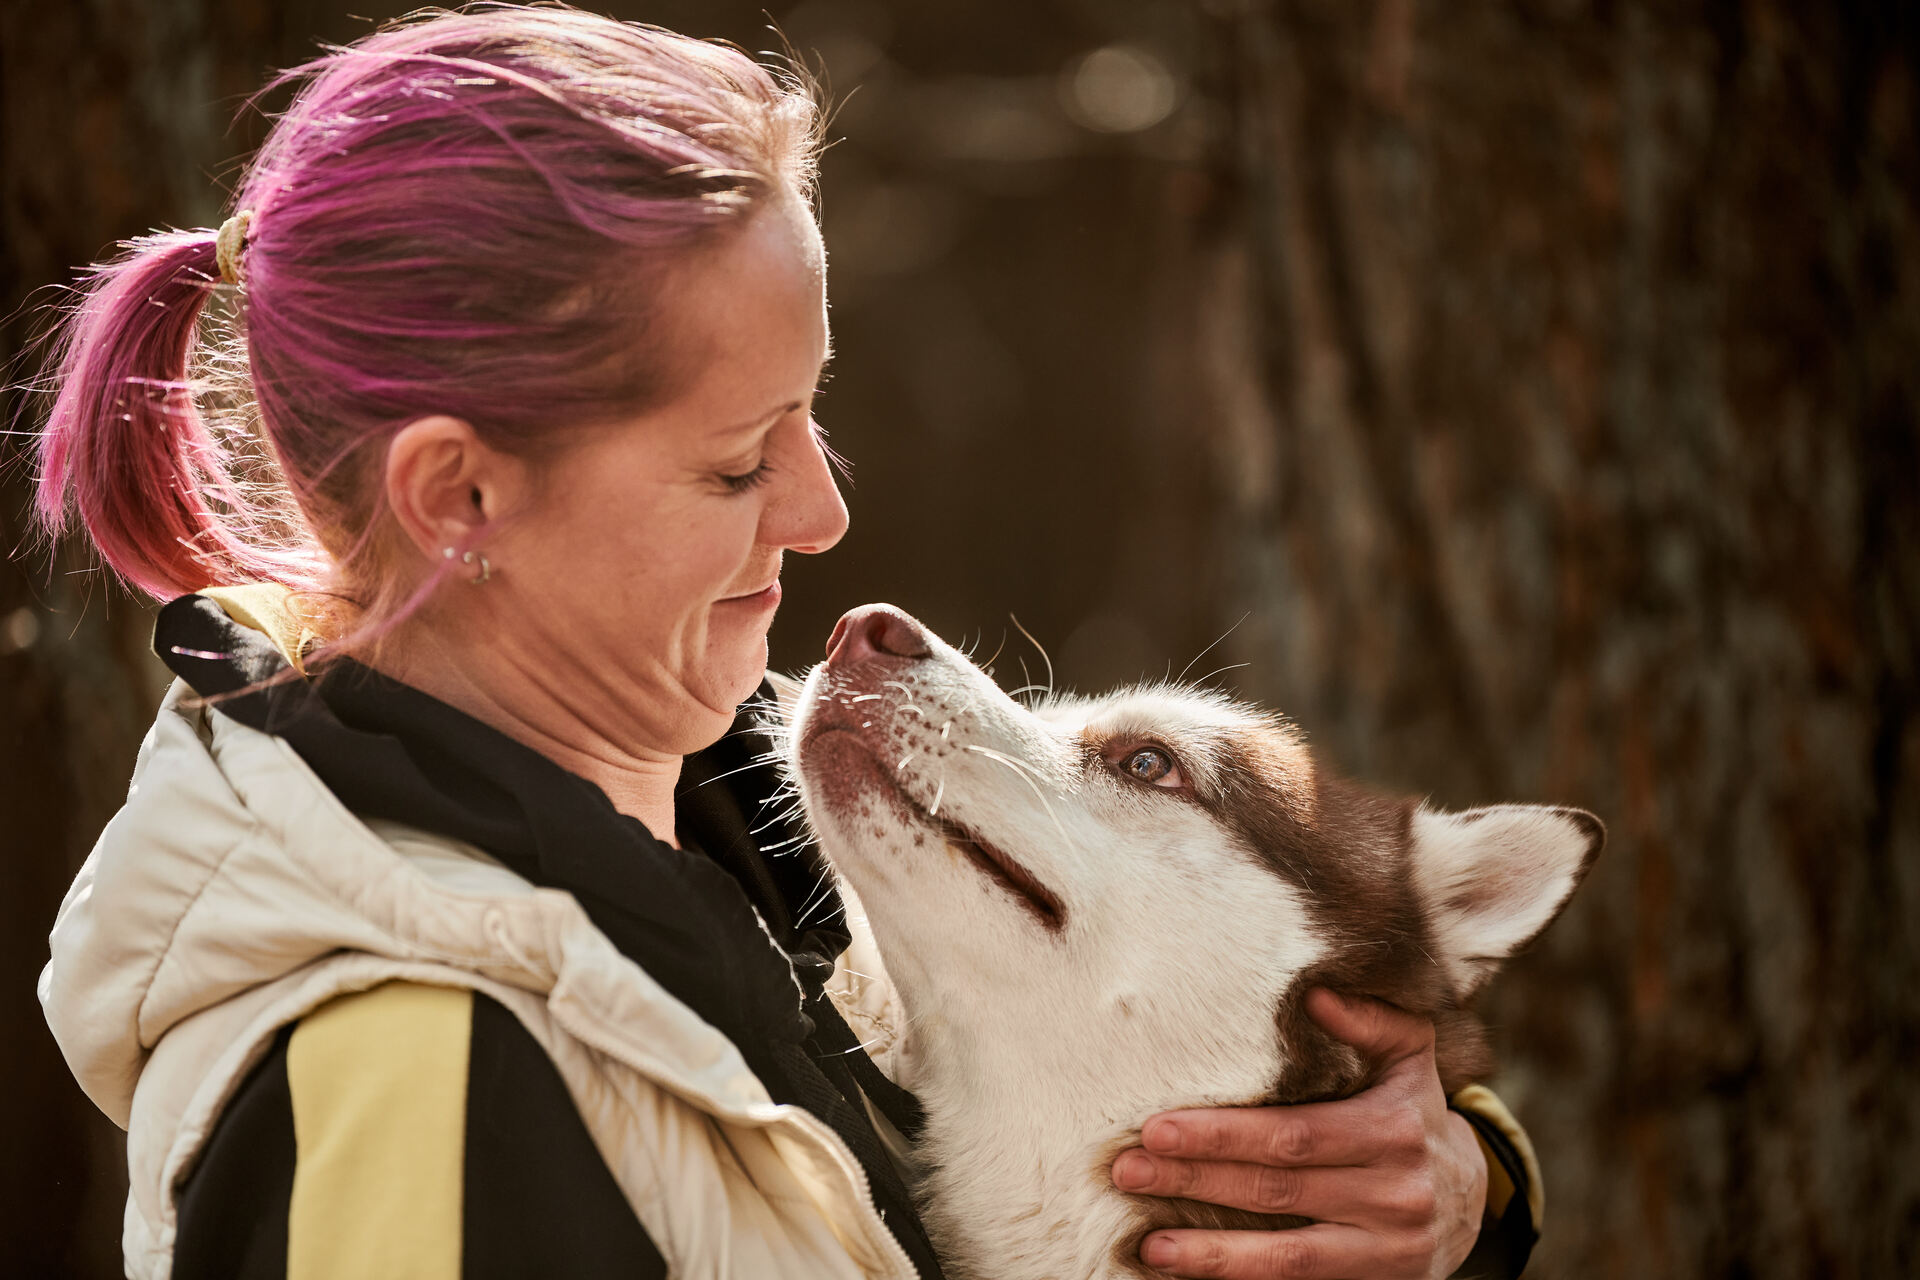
379 1085
1482 1101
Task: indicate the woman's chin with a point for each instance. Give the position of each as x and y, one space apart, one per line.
738 673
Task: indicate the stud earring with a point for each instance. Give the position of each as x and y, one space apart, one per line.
473 557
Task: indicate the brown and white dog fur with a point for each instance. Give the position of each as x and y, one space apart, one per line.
1097 909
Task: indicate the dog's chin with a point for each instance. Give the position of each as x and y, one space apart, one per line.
849 779
846 776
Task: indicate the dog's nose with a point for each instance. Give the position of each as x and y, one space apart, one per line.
874 630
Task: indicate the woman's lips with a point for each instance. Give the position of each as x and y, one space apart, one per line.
766 598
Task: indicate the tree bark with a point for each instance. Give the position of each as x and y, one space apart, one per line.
1562 362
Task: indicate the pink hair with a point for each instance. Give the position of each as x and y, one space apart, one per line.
463 213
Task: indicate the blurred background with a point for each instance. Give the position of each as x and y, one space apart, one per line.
1525 389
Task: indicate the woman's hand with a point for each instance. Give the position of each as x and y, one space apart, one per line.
1395 1182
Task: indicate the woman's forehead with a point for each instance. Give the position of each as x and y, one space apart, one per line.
751 315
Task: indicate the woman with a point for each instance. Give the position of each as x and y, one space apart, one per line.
443 932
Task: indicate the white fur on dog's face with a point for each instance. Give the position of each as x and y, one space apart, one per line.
889 753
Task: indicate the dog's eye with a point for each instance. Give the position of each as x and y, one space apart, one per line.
1152 765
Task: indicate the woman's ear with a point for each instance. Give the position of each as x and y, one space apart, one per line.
445 486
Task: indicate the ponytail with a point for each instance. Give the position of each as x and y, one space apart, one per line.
126 443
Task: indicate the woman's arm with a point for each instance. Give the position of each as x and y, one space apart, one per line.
1397 1181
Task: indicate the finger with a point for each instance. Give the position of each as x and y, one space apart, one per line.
1320 1252
1357 1197
1353 1131
1384 1033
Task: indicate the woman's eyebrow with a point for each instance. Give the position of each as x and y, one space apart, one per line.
764 421
773 415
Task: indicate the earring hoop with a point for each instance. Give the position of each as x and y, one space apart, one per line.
471 557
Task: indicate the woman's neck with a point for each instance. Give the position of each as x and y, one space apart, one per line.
549 717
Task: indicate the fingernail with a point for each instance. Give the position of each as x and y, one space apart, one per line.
1133 1170
1163 1136
1159 1251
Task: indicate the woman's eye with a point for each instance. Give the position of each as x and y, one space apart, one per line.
1152 765
748 479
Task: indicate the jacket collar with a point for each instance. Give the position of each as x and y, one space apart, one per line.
389 751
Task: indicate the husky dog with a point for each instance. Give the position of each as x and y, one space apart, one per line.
1099 909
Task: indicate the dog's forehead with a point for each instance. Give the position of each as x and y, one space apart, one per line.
1159 709
1214 732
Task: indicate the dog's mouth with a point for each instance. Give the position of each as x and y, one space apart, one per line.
997 866
992 861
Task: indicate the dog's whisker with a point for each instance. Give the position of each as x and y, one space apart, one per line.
1204 652
819 896
988 664
859 1048
1021 770
905 692
1043 653
1005 759
751 764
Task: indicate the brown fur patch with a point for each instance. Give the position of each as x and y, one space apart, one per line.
1350 855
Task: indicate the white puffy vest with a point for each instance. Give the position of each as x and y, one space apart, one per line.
234 893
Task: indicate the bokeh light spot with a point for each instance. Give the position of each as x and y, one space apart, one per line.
1119 89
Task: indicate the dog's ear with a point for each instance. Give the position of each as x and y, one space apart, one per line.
1491 879
786 691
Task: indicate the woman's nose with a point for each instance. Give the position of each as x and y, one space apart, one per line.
811 516
873 631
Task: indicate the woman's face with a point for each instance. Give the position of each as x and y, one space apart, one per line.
640 587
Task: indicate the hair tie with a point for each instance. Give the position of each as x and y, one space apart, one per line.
229 242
